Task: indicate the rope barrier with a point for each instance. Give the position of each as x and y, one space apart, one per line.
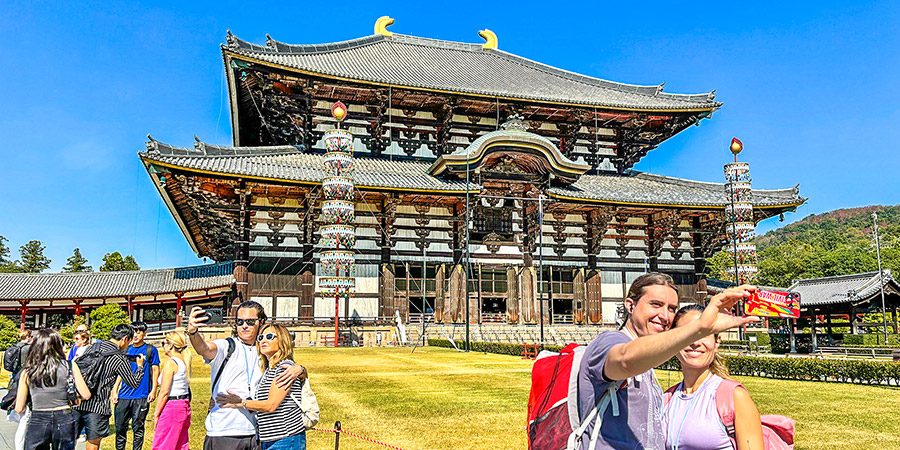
338 430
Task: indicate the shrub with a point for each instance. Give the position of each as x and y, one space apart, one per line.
105 318
9 333
871 340
806 369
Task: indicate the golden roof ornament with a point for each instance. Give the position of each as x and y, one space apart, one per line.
381 26
490 39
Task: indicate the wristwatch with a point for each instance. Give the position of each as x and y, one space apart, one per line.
244 403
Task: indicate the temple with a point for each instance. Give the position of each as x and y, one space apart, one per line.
471 164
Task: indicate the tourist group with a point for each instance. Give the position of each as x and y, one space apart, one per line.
260 398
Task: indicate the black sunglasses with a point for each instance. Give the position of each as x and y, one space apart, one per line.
241 322
267 336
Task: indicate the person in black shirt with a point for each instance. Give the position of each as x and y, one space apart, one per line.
94 414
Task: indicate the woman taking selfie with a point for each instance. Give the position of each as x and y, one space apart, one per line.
279 417
173 404
690 415
45 375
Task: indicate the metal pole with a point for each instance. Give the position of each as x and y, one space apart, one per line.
541 263
337 435
466 278
424 271
880 277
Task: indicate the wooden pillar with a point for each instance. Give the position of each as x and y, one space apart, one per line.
828 324
578 301
440 279
475 307
812 327
527 289
130 301
404 302
24 304
78 310
177 309
853 328
387 292
512 294
593 298
307 295
242 245
454 303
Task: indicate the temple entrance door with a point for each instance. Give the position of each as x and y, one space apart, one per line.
494 289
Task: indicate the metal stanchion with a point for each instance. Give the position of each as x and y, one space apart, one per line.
337 435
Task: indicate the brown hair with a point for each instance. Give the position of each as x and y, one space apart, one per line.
285 345
24 334
83 334
717 366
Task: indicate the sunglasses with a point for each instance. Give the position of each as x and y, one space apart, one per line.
249 322
267 336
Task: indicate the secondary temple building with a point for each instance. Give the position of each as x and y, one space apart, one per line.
458 147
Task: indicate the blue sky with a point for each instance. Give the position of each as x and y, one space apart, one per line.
811 89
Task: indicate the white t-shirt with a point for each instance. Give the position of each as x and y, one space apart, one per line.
241 375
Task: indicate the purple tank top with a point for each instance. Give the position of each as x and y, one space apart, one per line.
691 420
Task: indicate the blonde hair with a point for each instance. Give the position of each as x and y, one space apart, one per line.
717 366
177 340
285 345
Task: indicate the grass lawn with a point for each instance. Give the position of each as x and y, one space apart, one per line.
437 398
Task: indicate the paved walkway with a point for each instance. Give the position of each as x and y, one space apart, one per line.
8 431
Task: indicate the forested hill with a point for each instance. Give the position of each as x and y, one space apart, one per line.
834 243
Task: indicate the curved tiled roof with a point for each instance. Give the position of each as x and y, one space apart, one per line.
422 63
291 164
51 286
835 290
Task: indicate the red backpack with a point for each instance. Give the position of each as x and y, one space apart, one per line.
554 421
778 431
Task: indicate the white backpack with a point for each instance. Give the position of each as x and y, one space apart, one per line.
309 407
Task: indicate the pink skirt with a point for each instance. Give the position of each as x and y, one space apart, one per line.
172 428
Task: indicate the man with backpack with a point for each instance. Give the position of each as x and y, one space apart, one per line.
235 369
619 398
15 355
100 364
132 404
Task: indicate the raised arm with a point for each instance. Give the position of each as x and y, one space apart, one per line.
122 368
204 348
646 352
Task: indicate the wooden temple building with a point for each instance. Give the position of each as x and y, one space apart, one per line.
35 297
456 144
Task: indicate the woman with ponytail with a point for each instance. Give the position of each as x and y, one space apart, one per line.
690 415
173 404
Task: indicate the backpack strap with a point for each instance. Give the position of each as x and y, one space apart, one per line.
228 354
669 393
607 399
725 404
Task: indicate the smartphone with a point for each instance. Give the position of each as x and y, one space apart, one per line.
773 304
215 315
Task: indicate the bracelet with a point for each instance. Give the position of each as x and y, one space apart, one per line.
195 332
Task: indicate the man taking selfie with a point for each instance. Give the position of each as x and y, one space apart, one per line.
619 364
235 368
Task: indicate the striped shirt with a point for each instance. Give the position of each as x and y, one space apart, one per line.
286 420
112 366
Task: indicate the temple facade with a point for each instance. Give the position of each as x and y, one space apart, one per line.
489 187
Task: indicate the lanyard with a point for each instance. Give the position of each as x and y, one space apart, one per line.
247 367
677 437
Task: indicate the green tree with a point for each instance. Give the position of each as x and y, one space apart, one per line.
115 262
4 252
105 318
67 331
77 263
9 332
33 259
